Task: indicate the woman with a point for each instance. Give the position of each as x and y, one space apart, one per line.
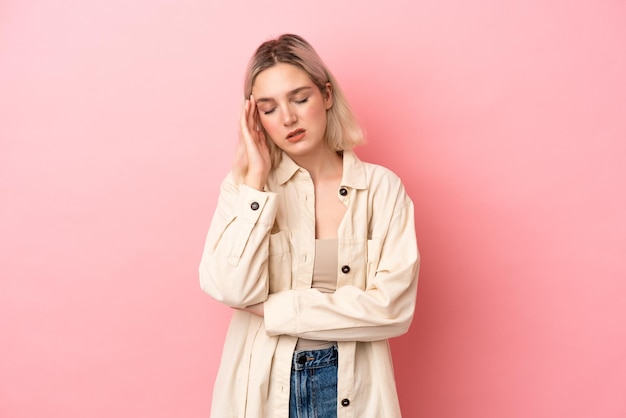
314 249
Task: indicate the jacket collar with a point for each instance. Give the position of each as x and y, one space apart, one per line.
354 175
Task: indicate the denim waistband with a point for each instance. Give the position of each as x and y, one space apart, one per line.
313 359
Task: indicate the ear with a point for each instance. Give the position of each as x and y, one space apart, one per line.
328 96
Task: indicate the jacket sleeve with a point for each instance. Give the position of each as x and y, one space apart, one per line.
233 268
384 309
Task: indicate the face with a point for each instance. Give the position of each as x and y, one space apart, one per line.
292 109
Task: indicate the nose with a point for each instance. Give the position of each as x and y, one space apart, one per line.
289 116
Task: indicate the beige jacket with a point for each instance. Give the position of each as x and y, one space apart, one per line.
260 248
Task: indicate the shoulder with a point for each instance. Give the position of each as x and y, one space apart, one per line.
381 184
380 177
377 172
362 174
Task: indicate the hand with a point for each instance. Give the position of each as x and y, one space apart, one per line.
253 161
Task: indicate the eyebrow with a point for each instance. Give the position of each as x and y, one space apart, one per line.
291 93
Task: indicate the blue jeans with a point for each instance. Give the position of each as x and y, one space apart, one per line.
313 392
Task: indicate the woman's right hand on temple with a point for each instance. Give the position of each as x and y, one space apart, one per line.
253 159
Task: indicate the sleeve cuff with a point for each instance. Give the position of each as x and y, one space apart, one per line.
281 313
255 206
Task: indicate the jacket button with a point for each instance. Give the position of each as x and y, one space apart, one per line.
345 402
345 269
343 191
254 205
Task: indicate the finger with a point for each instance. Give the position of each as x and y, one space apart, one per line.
244 112
252 115
251 118
249 137
243 121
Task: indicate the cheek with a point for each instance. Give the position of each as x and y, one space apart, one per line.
270 126
316 115
318 111
265 122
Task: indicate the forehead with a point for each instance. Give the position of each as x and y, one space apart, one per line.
280 80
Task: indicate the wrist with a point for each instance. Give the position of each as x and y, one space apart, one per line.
256 182
254 185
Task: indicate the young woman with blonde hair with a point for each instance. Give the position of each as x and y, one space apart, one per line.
314 249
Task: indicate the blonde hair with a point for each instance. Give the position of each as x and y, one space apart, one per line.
343 132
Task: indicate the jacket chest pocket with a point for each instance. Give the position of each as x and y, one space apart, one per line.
279 262
374 246
355 266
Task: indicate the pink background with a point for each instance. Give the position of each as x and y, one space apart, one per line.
506 121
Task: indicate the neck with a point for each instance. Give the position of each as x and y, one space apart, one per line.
323 164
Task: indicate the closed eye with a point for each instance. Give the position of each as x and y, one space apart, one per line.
269 111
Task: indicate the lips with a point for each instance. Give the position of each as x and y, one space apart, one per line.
295 134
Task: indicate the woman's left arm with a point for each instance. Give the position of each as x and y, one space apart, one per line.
384 309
